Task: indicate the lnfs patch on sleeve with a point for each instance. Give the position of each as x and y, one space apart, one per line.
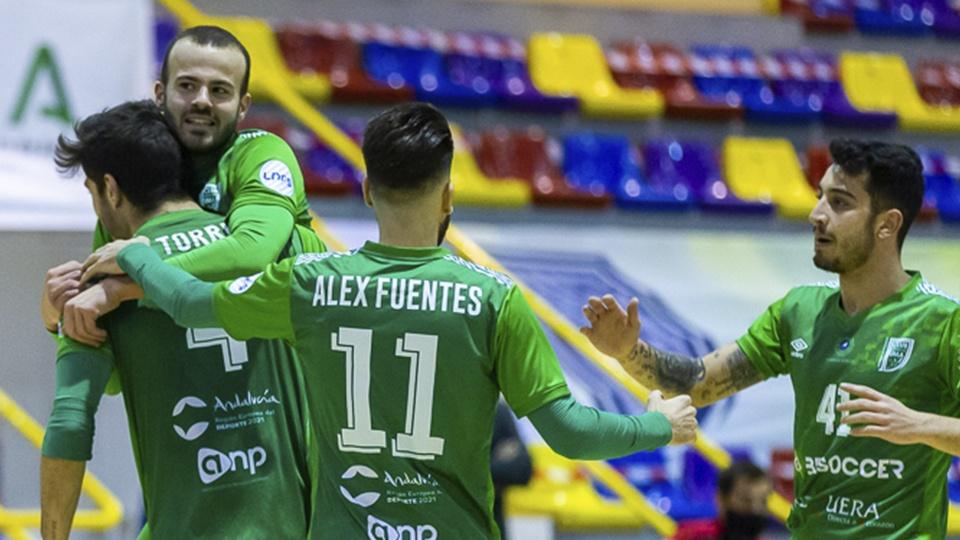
276 175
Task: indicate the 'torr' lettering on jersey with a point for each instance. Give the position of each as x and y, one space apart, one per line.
192 239
399 294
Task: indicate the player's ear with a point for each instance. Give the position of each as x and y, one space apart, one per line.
889 223
367 199
244 106
111 191
159 93
447 198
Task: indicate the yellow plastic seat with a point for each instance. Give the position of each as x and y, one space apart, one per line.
559 489
768 170
882 82
472 187
574 65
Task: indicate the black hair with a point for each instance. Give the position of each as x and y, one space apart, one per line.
407 147
740 469
209 35
894 176
133 144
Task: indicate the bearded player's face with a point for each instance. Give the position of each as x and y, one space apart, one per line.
201 96
843 223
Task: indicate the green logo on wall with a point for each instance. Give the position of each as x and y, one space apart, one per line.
43 62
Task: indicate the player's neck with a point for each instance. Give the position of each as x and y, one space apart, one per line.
170 205
871 283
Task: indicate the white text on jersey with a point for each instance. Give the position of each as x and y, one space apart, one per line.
400 294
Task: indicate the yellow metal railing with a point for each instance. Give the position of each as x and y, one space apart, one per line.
271 78
15 523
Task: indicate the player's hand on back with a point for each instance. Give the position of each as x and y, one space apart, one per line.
104 260
681 414
60 284
613 330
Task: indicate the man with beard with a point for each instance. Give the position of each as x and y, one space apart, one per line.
251 177
874 359
406 349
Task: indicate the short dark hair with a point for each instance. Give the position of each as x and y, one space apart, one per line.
132 143
407 147
740 469
209 35
894 176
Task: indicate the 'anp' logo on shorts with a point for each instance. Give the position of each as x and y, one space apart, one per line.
276 175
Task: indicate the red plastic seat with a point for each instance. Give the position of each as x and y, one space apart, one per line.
526 154
306 48
818 161
939 83
637 64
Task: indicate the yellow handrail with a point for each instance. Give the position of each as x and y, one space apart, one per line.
109 511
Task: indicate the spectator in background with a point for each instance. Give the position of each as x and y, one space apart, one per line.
742 492
509 460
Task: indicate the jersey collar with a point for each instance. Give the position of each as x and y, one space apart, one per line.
915 279
169 217
397 252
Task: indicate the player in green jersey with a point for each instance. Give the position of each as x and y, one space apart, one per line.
217 425
251 177
406 348
874 359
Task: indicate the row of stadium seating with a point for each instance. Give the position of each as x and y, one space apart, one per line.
552 73
517 167
907 18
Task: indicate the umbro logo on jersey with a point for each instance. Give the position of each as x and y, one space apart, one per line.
798 345
195 430
896 354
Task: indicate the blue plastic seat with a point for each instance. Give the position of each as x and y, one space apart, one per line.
941 174
164 30
725 73
427 72
517 91
695 165
894 17
593 161
946 19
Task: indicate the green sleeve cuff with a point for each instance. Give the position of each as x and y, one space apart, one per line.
579 432
81 378
183 297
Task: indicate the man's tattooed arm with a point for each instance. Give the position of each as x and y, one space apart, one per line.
715 376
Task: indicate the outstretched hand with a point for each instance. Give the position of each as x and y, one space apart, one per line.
875 414
104 260
613 330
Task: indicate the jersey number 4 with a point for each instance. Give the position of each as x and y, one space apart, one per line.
359 436
234 352
827 413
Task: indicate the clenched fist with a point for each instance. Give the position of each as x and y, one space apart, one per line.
681 414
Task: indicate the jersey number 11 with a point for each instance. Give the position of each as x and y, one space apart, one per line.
359 436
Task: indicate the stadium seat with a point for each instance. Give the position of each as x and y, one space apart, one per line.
818 160
517 91
164 30
941 175
592 160
939 83
821 15
471 186
530 155
681 164
574 65
637 64
882 82
894 17
768 170
781 471
947 19
308 48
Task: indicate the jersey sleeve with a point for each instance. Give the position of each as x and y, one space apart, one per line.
257 306
266 173
762 344
949 353
526 366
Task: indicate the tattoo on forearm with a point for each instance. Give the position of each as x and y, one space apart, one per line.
735 374
672 372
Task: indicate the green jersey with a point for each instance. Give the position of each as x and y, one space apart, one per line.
908 347
258 168
218 426
405 352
